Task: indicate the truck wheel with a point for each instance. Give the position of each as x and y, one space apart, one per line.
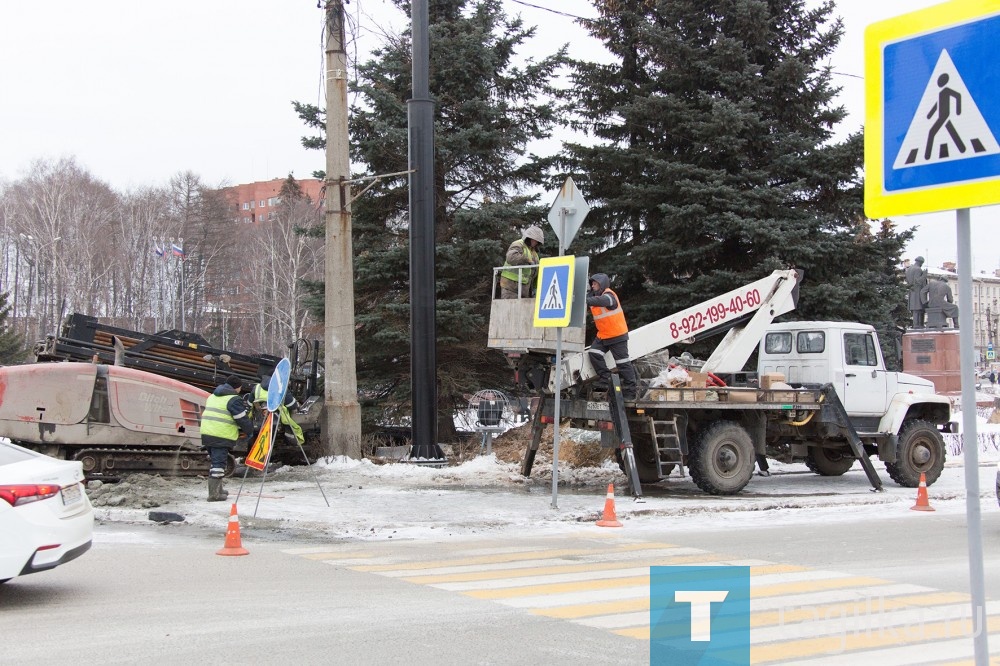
722 460
920 449
829 462
646 467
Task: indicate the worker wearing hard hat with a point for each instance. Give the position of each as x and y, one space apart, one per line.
515 282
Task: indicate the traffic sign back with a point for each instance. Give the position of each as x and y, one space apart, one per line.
278 385
571 205
933 110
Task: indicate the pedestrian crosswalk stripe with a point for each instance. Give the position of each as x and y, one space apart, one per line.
504 557
531 572
963 662
561 588
544 579
885 589
582 596
906 655
809 586
523 567
791 613
616 621
582 610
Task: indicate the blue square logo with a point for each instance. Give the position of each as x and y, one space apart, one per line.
699 616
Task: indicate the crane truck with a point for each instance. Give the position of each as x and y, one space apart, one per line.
828 400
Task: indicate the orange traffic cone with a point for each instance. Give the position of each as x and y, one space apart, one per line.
234 545
922 503
609 519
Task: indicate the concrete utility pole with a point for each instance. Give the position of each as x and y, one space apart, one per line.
342 413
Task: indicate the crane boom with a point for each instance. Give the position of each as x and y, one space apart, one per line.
745 313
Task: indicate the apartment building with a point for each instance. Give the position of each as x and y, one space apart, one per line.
257 202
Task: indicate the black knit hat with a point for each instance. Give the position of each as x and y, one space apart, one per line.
234 381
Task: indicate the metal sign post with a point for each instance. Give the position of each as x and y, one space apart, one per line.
932 124
555 415
565 217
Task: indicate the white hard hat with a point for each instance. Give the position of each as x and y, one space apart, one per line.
534 233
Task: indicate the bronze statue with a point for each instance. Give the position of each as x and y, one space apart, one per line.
939 303
916 280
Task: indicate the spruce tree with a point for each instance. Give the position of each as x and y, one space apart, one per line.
489 106
716 162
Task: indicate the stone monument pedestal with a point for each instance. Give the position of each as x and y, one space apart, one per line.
934 354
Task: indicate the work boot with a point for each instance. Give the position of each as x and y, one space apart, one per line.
215 491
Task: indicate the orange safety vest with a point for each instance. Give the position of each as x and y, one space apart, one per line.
610 323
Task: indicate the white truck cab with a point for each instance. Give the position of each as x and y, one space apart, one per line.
896 414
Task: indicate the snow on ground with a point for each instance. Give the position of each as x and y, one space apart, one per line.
487 495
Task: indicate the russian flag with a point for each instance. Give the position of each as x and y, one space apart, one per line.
177 250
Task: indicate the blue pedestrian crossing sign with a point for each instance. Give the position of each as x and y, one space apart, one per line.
932 117
554 291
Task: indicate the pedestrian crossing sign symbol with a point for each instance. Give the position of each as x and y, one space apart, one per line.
932 110
554 291
947 125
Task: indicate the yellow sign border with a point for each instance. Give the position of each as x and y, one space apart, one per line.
932 198
569 261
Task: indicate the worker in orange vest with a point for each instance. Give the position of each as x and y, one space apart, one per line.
612 335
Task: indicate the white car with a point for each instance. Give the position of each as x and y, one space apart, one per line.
45 515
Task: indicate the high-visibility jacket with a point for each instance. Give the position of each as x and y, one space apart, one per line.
260 399
216 419
610 322
522 276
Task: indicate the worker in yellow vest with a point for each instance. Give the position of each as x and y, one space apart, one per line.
225 415
284 413
612 335
518 283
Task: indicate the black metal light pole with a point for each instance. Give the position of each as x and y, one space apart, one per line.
423 364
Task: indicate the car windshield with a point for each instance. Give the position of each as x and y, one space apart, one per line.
12 454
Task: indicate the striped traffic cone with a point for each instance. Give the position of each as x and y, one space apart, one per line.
234 545
609 519
922 503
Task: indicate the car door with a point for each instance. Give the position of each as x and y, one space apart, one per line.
864 375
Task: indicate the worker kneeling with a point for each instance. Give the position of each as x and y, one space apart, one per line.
284 413
225 415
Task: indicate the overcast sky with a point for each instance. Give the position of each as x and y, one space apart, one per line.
138 91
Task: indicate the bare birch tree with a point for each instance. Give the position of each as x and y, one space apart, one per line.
62 218
282 255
